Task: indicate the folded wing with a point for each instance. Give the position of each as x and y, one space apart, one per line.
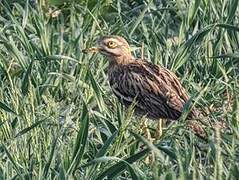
157 91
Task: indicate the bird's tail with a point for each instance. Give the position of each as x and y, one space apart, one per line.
198 123
195 125
198 128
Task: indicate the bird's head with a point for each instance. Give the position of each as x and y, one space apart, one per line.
115 48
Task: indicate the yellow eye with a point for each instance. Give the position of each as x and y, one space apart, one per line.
112 44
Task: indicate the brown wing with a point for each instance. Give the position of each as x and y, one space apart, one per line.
158 92
170 86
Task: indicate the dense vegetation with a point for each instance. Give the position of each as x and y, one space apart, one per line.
59 118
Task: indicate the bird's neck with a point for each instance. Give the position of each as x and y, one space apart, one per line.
121 60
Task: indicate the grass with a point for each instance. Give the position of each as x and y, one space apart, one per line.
59 118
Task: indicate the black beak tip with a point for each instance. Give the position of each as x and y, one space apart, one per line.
84 51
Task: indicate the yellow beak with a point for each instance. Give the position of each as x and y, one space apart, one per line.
91 50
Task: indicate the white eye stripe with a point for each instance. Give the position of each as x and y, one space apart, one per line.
111 39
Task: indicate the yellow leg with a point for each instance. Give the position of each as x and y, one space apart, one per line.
159 129
149 159
145 129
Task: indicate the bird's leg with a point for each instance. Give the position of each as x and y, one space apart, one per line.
145 129
159 129
150 158
142 50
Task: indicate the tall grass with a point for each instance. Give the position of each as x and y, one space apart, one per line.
59 118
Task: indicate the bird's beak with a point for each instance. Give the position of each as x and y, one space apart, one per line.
91 50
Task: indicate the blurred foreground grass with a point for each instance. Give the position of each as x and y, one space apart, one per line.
59 119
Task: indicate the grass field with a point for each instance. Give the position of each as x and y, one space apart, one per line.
59 118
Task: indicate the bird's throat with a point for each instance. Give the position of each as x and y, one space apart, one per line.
123 59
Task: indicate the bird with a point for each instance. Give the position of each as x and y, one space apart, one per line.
157 91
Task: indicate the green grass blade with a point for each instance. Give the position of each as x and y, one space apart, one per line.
24 131
80 141
120 166
193 10
12 161
140 18
106 145
111 175
50 158
6 108
233 6
26 79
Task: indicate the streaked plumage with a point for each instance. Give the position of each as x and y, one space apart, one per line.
157 91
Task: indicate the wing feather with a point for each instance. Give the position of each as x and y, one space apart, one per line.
157 91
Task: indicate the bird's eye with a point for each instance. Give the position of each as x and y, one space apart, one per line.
112 44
